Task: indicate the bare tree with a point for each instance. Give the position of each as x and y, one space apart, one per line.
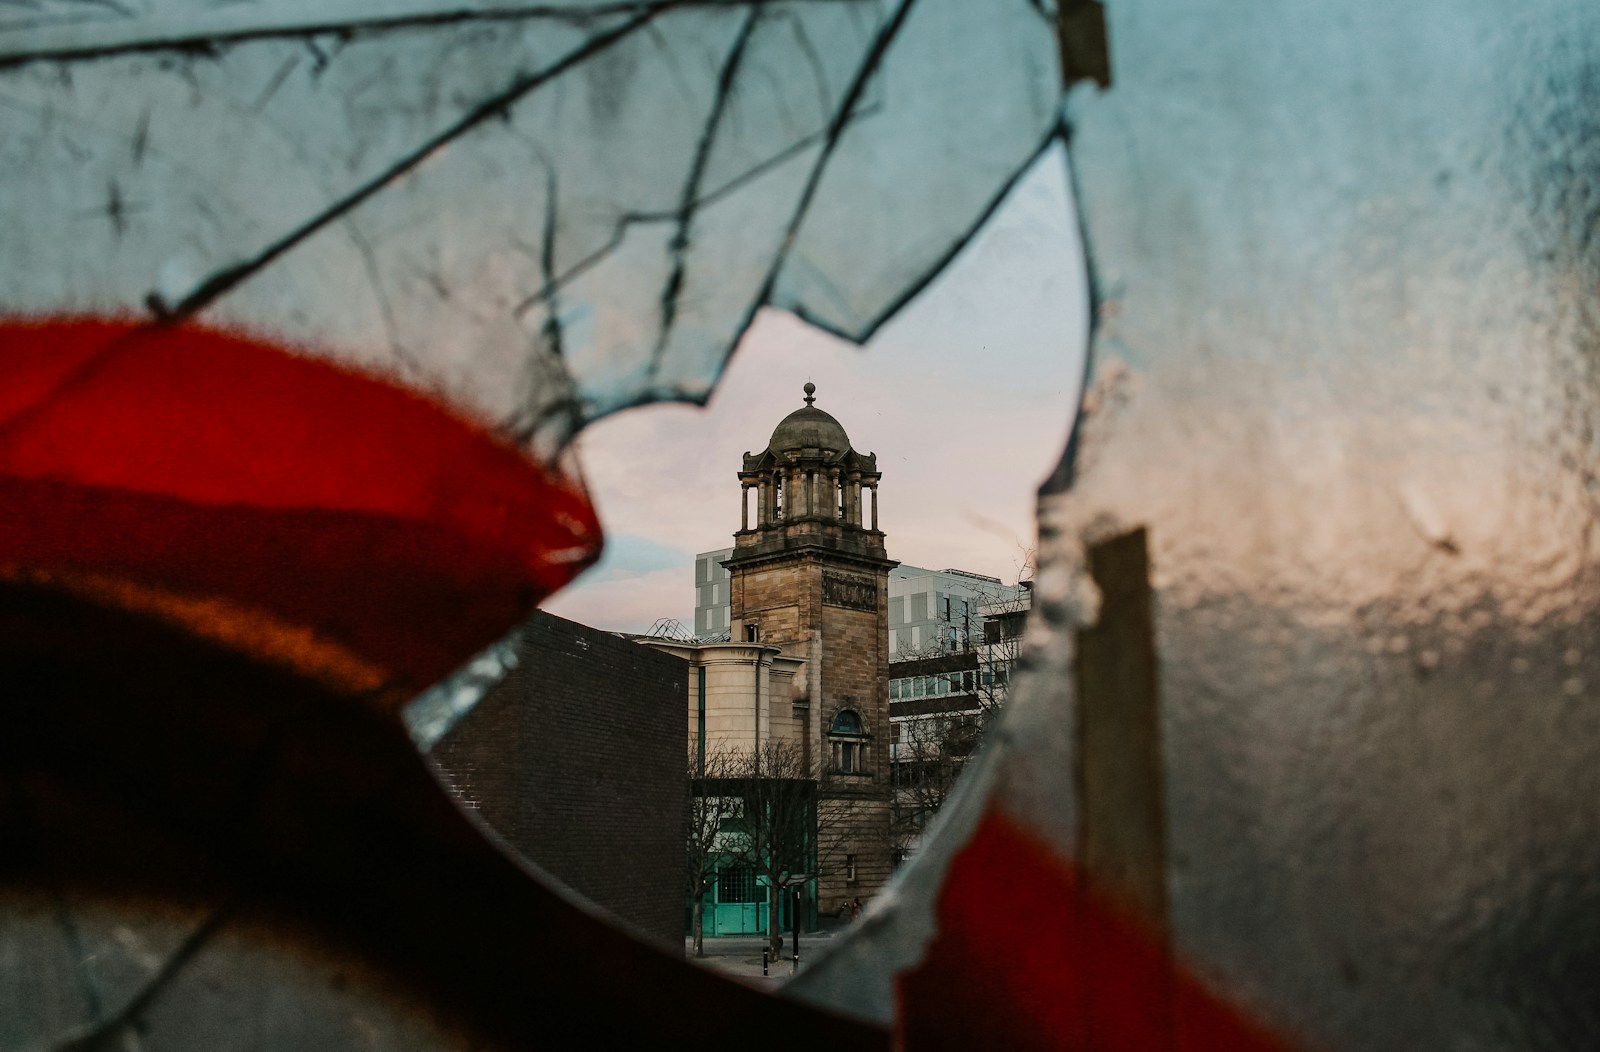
788 831
929 757
711 811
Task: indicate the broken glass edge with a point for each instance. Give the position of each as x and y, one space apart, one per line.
1061 478
433 714
858 977
678 390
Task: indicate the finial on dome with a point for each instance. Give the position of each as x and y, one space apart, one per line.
811 392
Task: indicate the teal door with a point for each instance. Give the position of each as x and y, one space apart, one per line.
736 918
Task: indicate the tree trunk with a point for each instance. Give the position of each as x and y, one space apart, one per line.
699 925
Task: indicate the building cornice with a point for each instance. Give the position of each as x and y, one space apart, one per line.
798 552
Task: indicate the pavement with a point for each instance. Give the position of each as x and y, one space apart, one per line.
740 956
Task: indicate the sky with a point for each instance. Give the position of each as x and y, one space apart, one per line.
966 397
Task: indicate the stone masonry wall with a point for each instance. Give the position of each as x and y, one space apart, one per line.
786 598
856 666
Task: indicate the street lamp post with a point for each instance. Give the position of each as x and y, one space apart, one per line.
793 881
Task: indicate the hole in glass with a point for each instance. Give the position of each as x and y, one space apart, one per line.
964 399
261 174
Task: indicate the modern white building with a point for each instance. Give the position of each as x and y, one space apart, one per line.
940 705
713 600
930 611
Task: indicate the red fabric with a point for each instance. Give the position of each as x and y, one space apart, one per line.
209 464
1028 957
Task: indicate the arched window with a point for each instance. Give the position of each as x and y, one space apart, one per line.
847 744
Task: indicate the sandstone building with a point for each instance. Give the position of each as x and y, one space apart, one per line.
809 574
808 655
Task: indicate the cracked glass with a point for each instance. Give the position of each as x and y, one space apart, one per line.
300 305
543 215
1343 388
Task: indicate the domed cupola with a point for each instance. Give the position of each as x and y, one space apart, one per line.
809 428
810 488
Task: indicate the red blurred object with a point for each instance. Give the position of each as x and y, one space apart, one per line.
1030 956
215 554
339 523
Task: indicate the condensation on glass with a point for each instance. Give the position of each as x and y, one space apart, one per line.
1345 375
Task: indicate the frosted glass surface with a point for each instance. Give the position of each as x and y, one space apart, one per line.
1345 374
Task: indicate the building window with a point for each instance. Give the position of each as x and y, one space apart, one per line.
752 633
736 884
850 868
967 681
847 747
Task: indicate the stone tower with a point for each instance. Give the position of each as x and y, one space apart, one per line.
809 574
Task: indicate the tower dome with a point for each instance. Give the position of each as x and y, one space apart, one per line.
809 428
811 489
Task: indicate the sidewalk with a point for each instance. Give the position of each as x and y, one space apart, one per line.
740 955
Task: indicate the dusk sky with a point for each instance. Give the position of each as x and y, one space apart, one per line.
965 397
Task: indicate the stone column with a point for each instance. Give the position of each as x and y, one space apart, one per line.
744 505
835 496
874 487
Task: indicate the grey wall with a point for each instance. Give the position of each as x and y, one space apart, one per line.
577 760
